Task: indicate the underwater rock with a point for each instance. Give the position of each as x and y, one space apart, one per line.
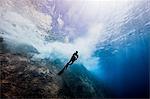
20 79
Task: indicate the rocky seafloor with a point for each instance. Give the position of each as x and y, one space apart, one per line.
23 78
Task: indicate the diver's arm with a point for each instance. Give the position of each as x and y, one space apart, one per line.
77 55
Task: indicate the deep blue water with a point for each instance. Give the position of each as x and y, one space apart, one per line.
122 45
126 71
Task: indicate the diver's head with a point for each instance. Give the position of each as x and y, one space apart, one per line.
76 51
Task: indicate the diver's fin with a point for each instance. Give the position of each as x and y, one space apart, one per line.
65 67
61 71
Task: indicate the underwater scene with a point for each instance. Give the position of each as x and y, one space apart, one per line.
74 48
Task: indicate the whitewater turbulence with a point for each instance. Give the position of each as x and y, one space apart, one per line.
62 27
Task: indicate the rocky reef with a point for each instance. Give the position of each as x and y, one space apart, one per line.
23 78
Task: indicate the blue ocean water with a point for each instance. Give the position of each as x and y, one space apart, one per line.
126 73
112 37
124 63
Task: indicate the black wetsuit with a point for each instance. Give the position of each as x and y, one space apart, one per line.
73 58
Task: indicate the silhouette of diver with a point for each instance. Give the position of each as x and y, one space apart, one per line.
71 61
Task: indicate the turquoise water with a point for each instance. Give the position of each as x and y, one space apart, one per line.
112 37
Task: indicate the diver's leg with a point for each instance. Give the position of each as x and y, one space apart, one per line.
71 62
66 65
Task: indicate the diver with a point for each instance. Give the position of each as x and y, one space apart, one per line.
71 61
73 58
